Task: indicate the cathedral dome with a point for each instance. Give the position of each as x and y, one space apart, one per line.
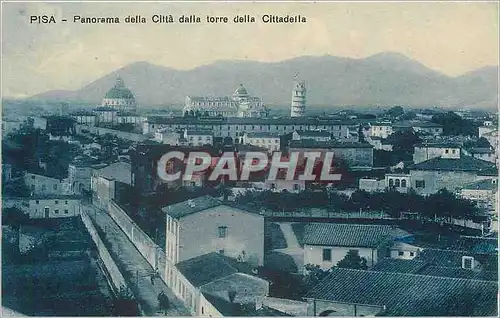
119 91
241 92
120 98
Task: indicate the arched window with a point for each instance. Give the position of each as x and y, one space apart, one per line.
403 183
398 184
391 182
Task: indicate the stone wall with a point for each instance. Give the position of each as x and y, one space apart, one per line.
173 278
116 276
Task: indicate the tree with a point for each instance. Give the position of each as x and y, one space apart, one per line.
395 111
353 260
403 143
314 274
453 124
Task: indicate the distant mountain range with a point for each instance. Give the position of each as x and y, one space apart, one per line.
384 79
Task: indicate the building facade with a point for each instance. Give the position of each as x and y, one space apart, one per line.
205 225
241 104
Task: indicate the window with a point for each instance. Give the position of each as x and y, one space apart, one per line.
453 151
446 151
56 211
403 183
66 202
37 202
296 187
273 185
66 212
412 254
222 231
468 262
221 252
419 183
56 202
401 253
398 183
55 187
391 182
327 255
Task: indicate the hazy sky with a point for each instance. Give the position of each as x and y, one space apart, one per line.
453 38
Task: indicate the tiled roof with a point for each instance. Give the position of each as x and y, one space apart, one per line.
199 204
481 150
349 235
192 206
459 273
486 184
313 133
262 135
405 294
210 267
308 143
399 266
420 267
464 163
453 258
119 171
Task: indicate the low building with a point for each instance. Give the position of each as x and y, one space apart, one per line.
350 292
220 277
51 206
398 182
205 224
167 137
325 244
43 185
380 129
486 154
449 173
293 186
430 150
316 135
197 137
11 126
110 183
356 154
481 191
267 140
372 185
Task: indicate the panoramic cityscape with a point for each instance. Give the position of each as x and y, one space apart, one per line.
318 184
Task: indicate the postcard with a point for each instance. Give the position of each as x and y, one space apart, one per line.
196 158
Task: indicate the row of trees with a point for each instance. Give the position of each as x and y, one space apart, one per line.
443 204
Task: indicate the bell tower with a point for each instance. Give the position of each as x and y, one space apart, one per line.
298 107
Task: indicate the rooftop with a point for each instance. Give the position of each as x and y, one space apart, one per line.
118 171
453 258
486 184
481 151
247 121
408 294
205 269
199 204
349 235
415 266
262 135
307 143
313 133
464 163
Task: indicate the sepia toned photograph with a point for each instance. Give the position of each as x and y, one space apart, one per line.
240 159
